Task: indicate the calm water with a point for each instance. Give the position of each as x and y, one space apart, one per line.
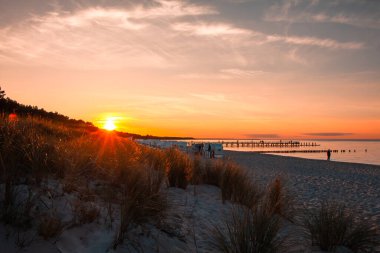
358 152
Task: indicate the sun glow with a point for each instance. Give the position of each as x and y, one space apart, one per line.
110 124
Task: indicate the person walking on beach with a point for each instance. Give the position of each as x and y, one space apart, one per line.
209 150
328 154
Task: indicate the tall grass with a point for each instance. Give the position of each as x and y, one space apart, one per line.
250 230
32 150
50 226
140 200
332 225
235 183
197 170
178 168
277 199
257 226
212 173
238 187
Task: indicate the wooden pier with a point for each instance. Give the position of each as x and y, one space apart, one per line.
277 144
296 151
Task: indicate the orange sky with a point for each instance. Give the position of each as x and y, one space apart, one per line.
183 68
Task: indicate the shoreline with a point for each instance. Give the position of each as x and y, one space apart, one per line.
303 158
312 181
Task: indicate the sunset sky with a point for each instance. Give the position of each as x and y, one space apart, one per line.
218 68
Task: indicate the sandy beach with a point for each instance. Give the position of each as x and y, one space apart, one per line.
194 213
310 181
193 216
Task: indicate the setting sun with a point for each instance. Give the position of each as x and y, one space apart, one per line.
110 124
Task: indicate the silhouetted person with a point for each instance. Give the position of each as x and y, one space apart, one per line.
328 154
209 150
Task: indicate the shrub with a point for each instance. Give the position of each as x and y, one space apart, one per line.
18 213
197 171
250 230
154 159
238 187
277 200
141 200
50 226
84 212
334 225
26 151
178 168
213 172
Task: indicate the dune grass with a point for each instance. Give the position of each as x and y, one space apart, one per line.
33 150
333 224
178 168
50 226
101 171
238 187
256 224
249 230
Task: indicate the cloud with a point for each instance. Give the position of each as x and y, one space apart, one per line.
290 12
332 134
241 73
116 18
257 38
312 41
99 37
155 34
224 74
345 19
172 8
263 136
204 29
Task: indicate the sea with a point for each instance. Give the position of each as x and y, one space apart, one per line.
355 151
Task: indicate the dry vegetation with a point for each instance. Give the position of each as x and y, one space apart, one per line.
332 225
88 165
108 177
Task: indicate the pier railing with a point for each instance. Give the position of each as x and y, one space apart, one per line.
252 143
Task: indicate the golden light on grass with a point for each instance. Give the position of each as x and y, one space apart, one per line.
110 124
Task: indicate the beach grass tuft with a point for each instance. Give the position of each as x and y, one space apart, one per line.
333 225
237 186
277 199
249 230
50 226
178 168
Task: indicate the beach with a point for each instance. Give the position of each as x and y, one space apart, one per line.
197 211
194 213
311 181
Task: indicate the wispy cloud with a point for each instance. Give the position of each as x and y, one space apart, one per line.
158 34
312 41
346 19
204 29
289 12
242 73
172 8
224 74
98 37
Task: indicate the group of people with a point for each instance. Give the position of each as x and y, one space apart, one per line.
209 153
